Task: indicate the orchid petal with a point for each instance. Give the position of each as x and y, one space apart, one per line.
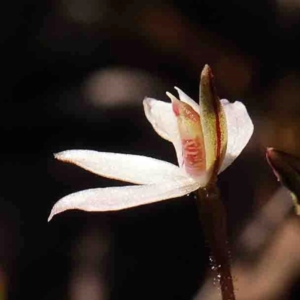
117 198
126 167
240 129
163 121
213 123
188 100
161 117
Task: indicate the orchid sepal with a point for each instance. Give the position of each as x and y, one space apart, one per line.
123 197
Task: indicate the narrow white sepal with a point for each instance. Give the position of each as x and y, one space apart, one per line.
117 198
125 167
240 129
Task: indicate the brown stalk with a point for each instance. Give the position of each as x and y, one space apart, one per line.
213 218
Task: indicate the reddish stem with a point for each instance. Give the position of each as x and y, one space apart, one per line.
213 218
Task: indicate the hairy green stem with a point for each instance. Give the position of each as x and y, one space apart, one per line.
213 218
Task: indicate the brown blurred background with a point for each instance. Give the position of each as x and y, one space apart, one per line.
74 74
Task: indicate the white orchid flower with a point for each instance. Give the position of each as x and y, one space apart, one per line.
207 139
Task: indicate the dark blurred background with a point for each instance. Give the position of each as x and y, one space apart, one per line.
74 74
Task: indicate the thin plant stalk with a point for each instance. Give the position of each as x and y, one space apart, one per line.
213 218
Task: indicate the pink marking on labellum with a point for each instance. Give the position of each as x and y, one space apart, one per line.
193 155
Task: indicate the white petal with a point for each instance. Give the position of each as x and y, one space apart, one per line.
161 116
240 129
131 168
188 100
117 198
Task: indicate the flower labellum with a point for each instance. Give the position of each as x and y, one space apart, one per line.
191 137
207 138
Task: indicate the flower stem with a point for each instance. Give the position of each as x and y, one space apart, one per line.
213 218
